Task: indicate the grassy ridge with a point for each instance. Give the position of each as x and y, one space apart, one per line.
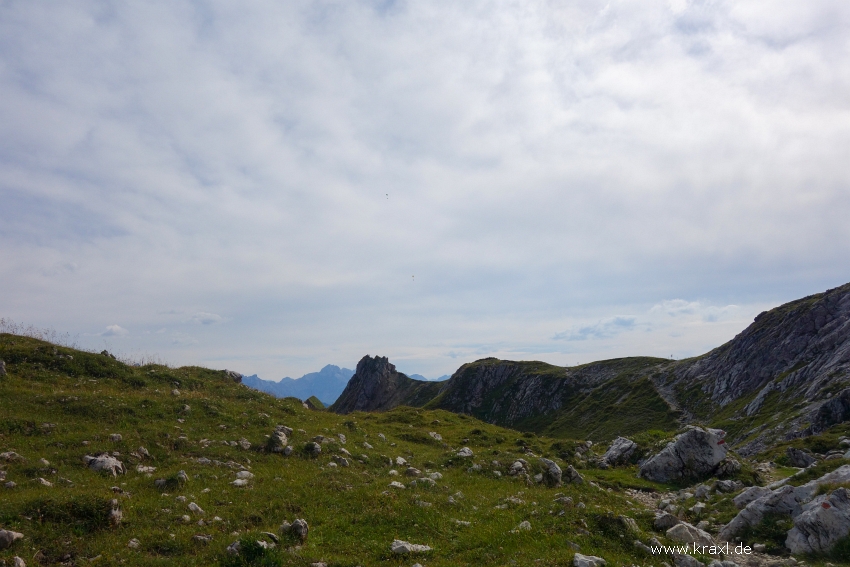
60 404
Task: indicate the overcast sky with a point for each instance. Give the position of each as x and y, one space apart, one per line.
274 186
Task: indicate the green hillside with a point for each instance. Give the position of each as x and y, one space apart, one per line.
58 405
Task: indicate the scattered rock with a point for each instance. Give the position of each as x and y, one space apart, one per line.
400 547
105 462
664 521
233 375
195 509
2 368
693 454
682 560
11 456
728 467
202 538
551 472
182 477
18 562
798 458
435 435
245 474
573 475
580 560
244 443
134 543
239 482
115 438
313 449
300 529
702 491
8 537
277 441
396 484
400 461
413 472
620 451
686 533
524 526
465 452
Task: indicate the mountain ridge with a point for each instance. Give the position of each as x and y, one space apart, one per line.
774 380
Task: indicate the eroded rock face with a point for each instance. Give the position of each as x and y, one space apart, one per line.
620 451
821 524
750 494
693 454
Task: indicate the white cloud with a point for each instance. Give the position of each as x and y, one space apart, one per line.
115 331
206 318
606 329
541 168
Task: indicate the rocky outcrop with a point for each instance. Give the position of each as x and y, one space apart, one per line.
551 472
821 524
378 386
785 500
693 454
795 351
620 451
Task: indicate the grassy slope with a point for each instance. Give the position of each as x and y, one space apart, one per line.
352 521
624 405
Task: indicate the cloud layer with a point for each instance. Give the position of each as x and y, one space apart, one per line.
283 185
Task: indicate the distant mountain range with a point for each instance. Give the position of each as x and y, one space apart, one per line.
326 384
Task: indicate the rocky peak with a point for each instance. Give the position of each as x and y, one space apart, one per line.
377 385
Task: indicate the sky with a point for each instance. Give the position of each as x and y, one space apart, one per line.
271 186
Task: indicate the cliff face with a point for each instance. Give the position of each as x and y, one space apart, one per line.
785 375
377 386
801 346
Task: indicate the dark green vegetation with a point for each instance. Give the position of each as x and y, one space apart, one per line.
60 404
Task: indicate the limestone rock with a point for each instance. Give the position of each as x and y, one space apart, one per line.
233 375
465 452
8 537
620 451
300 529
580 560
573 475
134 543
11 456
784 500
313 449
693 454
686 533
665 521
821 524
400 547
750 494
277 442
798 458
551 472
105 462
2 368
